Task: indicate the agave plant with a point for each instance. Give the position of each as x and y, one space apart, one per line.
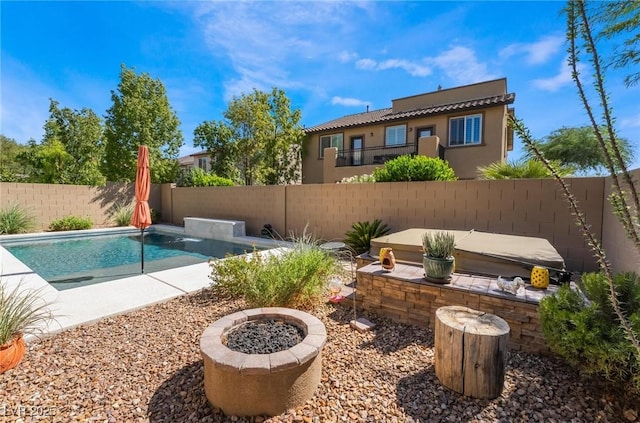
359 238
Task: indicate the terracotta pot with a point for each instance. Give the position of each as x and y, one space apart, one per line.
11 354
387 259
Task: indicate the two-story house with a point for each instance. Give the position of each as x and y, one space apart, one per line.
196 160
467 126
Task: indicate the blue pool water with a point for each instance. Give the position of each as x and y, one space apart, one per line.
70 263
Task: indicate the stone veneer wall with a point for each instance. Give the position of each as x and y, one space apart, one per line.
416 304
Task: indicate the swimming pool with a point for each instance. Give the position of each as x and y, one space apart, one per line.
71 262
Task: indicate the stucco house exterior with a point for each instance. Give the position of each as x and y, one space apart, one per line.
196 160
466 125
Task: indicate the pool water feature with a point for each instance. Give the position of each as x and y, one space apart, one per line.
74 262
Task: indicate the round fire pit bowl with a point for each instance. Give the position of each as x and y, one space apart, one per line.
243 384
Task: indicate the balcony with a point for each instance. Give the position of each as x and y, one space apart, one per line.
373 155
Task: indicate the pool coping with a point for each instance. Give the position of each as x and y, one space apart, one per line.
89 304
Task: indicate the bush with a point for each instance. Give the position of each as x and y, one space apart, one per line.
294 278
361 233
521 169
582 327
71 223
197 177
414 168
15 219
122 215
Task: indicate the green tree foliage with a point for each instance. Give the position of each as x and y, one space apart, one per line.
414 168
260 137
11 170
622 18
47 161
70 152
141 115
578 147
521 169
197 177
217 139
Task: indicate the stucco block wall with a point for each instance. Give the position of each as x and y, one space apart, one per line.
621 252
256 205
518 207
48 202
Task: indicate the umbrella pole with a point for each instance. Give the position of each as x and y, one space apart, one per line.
142 249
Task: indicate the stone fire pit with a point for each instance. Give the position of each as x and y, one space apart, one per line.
262 384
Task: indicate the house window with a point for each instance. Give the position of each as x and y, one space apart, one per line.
465 130
395 135
334 140
202 163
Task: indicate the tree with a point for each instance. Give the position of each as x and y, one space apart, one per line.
141 115
11 170
216 138
578 147
260 137
71 150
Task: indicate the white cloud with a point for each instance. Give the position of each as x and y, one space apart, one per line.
351 102
462 66
347 56
265 41
536 53
558 81
412 68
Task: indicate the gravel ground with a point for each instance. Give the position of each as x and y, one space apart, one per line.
146 366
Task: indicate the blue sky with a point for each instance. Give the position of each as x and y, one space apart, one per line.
331 58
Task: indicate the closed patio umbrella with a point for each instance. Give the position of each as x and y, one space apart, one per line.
141 217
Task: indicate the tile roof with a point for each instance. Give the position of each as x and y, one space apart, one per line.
385 115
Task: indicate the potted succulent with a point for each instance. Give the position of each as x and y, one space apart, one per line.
22 312
438 259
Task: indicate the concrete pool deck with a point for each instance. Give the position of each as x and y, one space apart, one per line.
88 304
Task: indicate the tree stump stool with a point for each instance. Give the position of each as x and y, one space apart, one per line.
470 350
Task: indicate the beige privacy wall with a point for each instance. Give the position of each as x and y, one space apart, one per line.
621 252
48 202
520 207
532 207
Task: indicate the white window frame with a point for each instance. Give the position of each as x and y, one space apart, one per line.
202 163
331 140
395 135
472 134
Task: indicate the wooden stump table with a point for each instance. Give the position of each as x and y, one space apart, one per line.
470 351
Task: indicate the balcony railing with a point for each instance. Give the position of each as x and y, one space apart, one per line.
373 155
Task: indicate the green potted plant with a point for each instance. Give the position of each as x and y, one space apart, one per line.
22 312
438 259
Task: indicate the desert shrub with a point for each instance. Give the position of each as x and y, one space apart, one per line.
414 168
197 177
361 233
71 223
357 179
522 169
294 278
122 214
582 327
15 219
